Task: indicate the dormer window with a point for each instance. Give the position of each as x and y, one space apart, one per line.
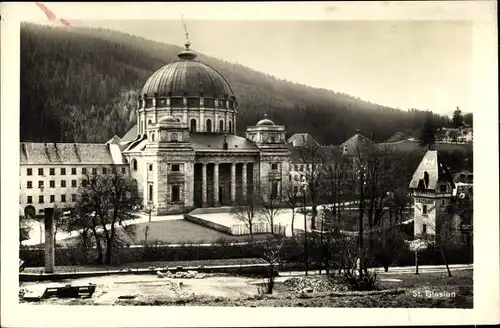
426 179
443 188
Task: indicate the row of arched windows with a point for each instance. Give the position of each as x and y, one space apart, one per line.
209 126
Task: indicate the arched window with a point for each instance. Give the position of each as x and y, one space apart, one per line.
230 127
193 125
134 164
209 125
150 194
150 122
150 167
29 211
221 126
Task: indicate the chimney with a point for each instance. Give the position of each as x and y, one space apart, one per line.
357 131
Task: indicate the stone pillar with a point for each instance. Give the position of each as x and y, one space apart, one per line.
204 185
233 183
244 181
216 184
203 127
49 240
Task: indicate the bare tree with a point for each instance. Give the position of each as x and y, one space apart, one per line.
313 157
248 212
387 245
448 228
359 157
292 200
335 183
104 203
398 202
270 207
273 256
381 167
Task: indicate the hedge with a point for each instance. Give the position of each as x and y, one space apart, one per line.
292 253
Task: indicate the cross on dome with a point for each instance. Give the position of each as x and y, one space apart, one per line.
186 54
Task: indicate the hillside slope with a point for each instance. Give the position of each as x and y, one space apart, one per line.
81 84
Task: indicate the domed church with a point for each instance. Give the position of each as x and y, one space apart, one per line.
183 151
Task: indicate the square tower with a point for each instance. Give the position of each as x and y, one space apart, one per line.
432 189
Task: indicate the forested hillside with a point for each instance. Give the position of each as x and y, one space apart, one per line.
81 84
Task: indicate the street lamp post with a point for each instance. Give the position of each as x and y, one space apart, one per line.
304 185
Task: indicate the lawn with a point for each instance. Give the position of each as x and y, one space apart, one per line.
350 220
175 232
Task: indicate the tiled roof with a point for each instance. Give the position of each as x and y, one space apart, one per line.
116 154
299 139
356 143
325 152
436 170
64 153
209 141
131 135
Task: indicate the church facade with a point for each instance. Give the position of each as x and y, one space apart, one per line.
183 152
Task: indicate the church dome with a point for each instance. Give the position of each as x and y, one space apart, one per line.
265 121
187 77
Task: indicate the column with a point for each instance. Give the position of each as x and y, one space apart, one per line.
233 183
256 178
244 181
203 127
216 184
204 185
49 240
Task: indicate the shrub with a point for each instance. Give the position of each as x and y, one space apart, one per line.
352 280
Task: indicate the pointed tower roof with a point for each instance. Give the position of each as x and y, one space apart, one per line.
430 171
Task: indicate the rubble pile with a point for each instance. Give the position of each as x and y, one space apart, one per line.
181 275
311 285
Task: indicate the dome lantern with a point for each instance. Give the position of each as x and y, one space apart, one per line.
265 121
186 54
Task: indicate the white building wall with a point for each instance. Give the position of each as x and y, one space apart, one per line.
57 191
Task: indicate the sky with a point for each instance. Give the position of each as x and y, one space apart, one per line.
403 64
425 65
